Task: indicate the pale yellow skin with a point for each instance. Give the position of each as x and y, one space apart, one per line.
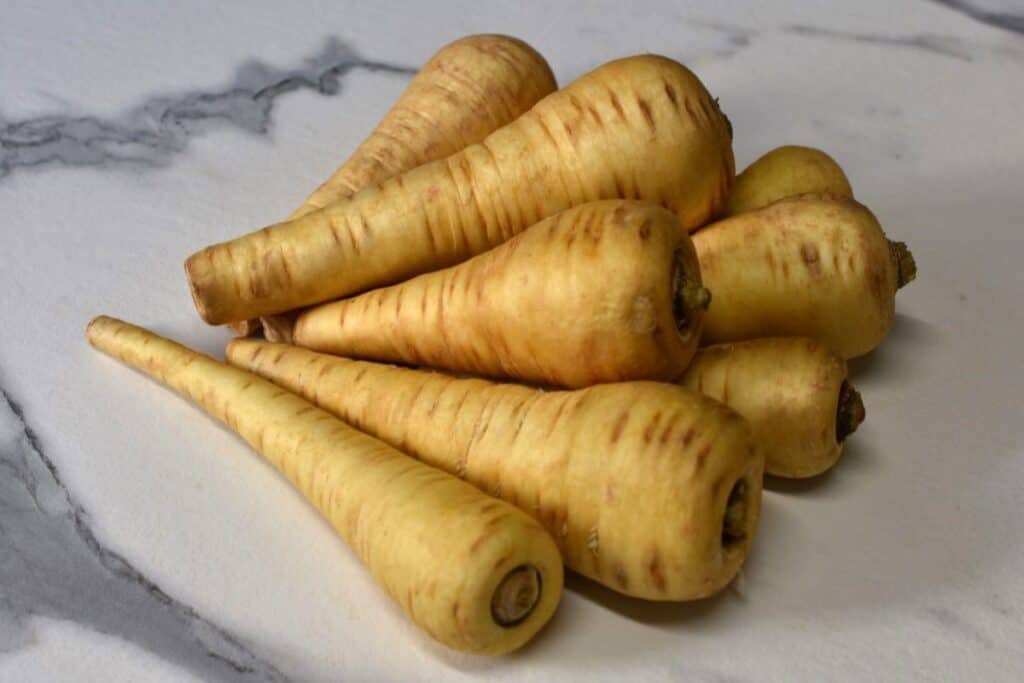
436 545
785 172
631 479
469 89
639 128
787 388
585 296
804 266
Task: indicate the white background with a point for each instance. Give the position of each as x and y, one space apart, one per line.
907 562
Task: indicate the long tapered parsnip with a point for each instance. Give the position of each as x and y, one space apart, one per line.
648 488
475 573
467 90
603 292
792 390
784 172
810 266
640 128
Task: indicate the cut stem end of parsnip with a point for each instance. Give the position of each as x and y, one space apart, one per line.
906 267
850 412
734 524
688 295
516 596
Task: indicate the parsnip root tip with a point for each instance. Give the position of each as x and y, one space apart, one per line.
850 412
906 266
516 596
688 296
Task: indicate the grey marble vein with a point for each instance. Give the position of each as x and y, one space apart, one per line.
152 132
955 623
1009 21
737 38
53 565
947 46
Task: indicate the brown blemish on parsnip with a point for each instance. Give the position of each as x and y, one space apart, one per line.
620 424
645 109
652 425
810 256
671 93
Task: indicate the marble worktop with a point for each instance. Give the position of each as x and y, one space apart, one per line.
140 541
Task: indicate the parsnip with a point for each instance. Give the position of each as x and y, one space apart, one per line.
466 91
785 172
473 572
650 489
642 128
602 292
804 266
792 390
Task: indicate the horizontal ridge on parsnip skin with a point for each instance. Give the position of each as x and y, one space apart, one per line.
643 128
648 488
811 266
603 292
792 390
466 91
473 572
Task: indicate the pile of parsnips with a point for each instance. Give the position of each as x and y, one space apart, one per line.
493 226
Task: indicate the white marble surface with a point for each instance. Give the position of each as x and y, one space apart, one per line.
140 541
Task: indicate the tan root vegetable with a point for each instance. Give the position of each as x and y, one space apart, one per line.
792 390
469 89
785 172
475 573
640 128
805 266
648 488
606 291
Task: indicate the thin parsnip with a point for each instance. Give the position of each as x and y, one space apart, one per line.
810 266
785 172
794 392
474 572
649 489
603 292
639 128
466 91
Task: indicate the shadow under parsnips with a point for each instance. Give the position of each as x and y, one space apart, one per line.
642 611
893 359
857 457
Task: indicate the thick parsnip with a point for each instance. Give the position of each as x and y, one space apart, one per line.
648 488
792 390
469 89
639 128
785 172
475 573
808 266
603 292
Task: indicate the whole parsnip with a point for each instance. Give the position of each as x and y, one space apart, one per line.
649 489
475 573
805 266
640 128
603 292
